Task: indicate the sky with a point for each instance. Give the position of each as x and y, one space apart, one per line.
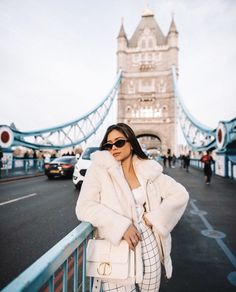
58 57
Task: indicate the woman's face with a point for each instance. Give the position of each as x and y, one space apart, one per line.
119 153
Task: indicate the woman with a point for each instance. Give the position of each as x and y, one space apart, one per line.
126 196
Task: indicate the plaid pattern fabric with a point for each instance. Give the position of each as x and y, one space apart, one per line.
151 265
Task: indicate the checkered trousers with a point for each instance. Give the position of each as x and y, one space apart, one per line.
151 266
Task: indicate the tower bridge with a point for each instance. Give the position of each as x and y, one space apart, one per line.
148 99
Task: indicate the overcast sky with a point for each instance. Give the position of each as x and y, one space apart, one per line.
58 57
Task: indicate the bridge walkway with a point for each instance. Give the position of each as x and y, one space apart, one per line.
203 263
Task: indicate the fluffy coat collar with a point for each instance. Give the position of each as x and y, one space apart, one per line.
148 169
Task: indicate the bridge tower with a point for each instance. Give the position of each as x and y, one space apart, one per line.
146 95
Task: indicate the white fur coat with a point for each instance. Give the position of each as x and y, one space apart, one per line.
106 201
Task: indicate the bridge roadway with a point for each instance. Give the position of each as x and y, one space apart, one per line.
31 226
203 263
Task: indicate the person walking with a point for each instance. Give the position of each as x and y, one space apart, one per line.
1 164
181 158
125 196
164 160
169 158
173 160
207 160
187 162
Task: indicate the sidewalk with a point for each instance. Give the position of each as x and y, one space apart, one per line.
204 241
20 174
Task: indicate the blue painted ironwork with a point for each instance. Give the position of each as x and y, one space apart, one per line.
69 134
225 134
18 166
201 137
42 272
194 162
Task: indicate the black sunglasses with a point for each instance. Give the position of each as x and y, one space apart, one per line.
119 143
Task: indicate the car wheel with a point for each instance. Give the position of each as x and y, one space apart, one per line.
78 186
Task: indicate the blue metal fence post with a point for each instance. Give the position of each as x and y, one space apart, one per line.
75 280
65 275
84 268
51 284
13 164
226 166
6 169
232 169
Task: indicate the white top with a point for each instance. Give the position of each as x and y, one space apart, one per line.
139 198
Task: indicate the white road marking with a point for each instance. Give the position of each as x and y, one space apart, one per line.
220 242
18 199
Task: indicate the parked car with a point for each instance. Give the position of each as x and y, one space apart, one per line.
82 165
60 167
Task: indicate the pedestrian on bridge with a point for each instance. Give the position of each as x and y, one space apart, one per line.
1 164
186 162
169 158
164 160
208 161
125 196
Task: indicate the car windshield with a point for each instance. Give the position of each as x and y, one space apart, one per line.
88 152
65 159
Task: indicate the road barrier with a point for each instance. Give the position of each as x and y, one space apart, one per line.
21 166
62 268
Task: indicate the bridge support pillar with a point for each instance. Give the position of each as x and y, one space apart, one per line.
226 164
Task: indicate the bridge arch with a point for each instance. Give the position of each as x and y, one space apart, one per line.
150 141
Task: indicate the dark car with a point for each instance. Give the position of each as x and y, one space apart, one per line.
60 167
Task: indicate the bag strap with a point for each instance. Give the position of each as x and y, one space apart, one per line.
147 203
97 284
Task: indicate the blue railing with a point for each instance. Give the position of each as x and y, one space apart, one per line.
22 166
62 268
197 163
229 166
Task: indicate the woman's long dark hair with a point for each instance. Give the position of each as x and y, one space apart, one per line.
130 136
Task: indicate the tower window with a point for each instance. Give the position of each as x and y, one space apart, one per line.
150 43
128 108
143 44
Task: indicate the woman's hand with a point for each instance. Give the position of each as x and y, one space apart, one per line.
147 222
132 236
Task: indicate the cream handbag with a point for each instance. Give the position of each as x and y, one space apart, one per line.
107 261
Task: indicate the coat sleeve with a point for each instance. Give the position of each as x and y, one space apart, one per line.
174 196
110 224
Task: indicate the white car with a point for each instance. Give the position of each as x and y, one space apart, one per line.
82 165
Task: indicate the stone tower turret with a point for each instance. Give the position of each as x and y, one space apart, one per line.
172 40
122 48
146 95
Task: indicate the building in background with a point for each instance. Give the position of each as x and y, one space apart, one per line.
146 97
